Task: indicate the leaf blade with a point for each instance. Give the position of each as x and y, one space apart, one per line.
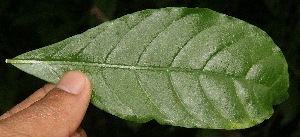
179 66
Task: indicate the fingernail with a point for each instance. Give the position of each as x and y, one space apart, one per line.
72 82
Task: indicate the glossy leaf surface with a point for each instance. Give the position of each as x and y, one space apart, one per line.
179 66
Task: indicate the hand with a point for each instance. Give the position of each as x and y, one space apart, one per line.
54 110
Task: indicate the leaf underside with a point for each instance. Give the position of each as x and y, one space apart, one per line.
180 66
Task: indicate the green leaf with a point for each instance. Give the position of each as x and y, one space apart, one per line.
180 66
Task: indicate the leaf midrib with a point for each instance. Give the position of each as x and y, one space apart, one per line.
120 66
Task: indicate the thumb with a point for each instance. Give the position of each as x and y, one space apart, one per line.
58 113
